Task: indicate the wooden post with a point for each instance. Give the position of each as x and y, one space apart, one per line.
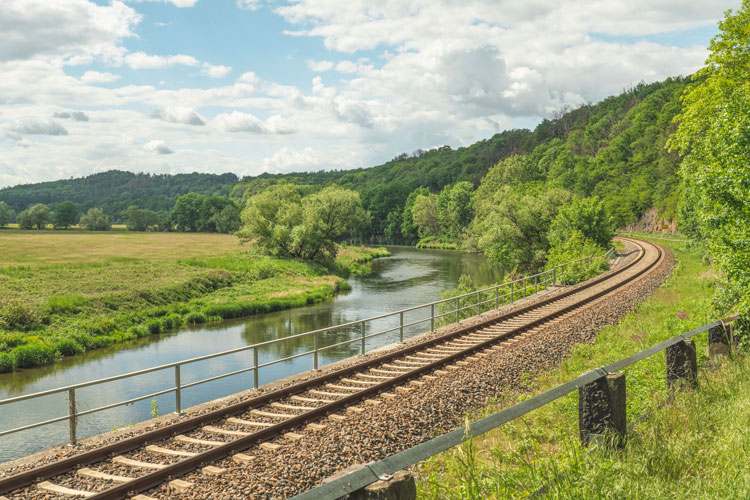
602 410
718 341
682 364
400 486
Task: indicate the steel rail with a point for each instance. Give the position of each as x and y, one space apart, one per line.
141 484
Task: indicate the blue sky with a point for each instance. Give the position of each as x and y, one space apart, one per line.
253 86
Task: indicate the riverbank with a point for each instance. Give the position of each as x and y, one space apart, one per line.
542 449
66 293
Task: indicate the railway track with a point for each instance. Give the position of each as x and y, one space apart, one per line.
137 464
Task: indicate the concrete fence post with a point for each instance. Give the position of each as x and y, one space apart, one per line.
682 364
400 486
719 341
602 410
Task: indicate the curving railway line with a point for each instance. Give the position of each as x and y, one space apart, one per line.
137 464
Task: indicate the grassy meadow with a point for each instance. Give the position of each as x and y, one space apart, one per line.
677 452
65 292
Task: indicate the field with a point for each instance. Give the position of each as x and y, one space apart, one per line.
62 293
668 455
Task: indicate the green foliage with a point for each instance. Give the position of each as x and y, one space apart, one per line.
455 206
409 230
4 215
576 247
61 304
95 220
512 225
35 353
284 223
65 215
425 215
186 213
36 217
586 216
140 219
114 191
68 347
6 362
714 136
154 326
16 313
195 318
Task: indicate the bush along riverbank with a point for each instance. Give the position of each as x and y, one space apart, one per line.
48 312
539 455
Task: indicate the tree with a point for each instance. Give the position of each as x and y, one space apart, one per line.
408 229
455 206
714 137
95 220
23 220
140 219
283 222
585 215
38 216
393 223
186 214
4 214
425 215
66 215
512 226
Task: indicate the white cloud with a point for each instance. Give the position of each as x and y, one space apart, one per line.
158 146
36 126
179 114
63 28
319 66
97 77
78 116
249 4
216 71
176 3
141 60
238 121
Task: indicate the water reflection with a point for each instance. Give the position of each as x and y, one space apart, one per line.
407 278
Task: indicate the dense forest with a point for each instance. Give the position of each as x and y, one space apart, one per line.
114 191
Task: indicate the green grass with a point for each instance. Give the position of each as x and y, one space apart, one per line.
119 287
520 457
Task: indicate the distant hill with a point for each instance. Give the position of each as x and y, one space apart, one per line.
114 191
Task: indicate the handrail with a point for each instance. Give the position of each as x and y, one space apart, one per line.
529 282
384 468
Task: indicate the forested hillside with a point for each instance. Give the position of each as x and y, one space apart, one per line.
114 191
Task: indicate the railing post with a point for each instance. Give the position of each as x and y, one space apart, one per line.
554 275
72 417
362 331
512 298
401 327
177 392
497 297
682 364
255 364
432 317
536 284
719 341
602 410
479 303
315 351
458 312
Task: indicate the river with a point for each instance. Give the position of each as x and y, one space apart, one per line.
407 278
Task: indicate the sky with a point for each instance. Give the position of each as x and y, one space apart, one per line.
253 86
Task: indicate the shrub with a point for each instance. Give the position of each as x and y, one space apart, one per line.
15 313
33 354
154 326
170 322
195 318
68 347
101 341
6 362
138 331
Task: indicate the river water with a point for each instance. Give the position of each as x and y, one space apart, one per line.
408 277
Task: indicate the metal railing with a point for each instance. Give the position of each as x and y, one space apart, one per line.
384 469
512 290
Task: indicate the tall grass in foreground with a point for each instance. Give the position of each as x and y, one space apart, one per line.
663 457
